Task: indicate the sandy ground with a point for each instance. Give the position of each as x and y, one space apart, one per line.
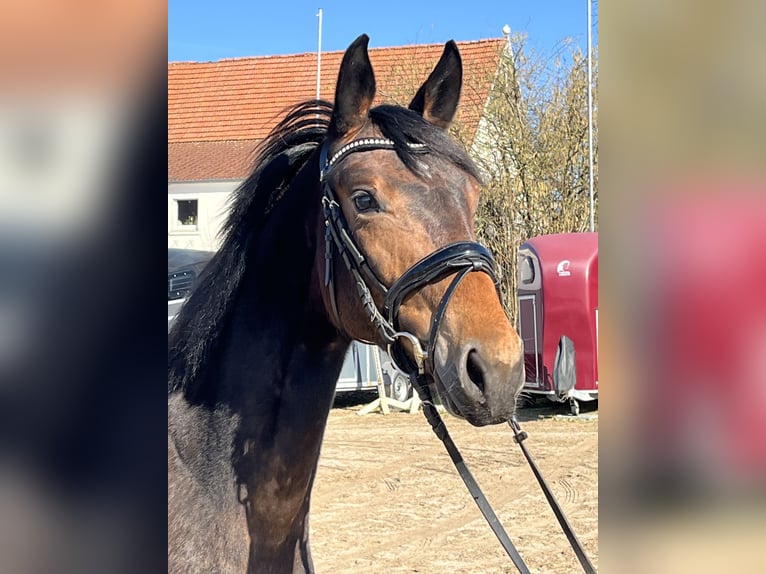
387 498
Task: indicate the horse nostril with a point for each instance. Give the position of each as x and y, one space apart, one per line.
474 370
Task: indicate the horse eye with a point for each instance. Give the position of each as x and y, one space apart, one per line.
364 202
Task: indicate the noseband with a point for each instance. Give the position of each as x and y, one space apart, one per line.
456 259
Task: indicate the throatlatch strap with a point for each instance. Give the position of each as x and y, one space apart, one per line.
439 428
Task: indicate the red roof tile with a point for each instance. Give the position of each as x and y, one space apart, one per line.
226 107
195 161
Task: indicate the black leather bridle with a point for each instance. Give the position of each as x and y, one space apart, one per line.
456 259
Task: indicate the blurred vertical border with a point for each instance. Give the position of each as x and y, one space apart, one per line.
683 333
683 248
82 348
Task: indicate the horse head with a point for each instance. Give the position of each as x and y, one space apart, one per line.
401 266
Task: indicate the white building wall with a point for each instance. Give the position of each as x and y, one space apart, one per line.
212 208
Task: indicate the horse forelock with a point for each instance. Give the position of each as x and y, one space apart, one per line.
405 126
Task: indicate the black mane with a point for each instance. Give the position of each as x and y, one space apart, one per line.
278 159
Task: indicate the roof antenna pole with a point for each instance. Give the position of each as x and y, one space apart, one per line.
319 52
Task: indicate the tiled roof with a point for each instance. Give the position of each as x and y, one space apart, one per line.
195 161
219 111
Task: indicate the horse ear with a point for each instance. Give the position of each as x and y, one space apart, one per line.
438 97
355 89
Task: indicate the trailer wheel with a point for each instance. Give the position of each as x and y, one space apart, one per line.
574 407
400 388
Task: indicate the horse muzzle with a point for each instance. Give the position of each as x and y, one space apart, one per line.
474 387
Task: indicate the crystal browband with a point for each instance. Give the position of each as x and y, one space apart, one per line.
364 144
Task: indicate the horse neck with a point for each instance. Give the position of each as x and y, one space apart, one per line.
277 324
271 380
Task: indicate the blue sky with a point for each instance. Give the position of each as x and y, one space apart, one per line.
204 30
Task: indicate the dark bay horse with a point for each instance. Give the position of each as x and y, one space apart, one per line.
356 223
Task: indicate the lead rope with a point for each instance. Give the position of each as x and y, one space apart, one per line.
440 430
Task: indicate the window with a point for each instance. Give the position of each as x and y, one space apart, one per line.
187 213
527 270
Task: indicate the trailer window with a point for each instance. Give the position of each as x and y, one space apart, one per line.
527 270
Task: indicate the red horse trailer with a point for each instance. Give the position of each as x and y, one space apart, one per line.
558 316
